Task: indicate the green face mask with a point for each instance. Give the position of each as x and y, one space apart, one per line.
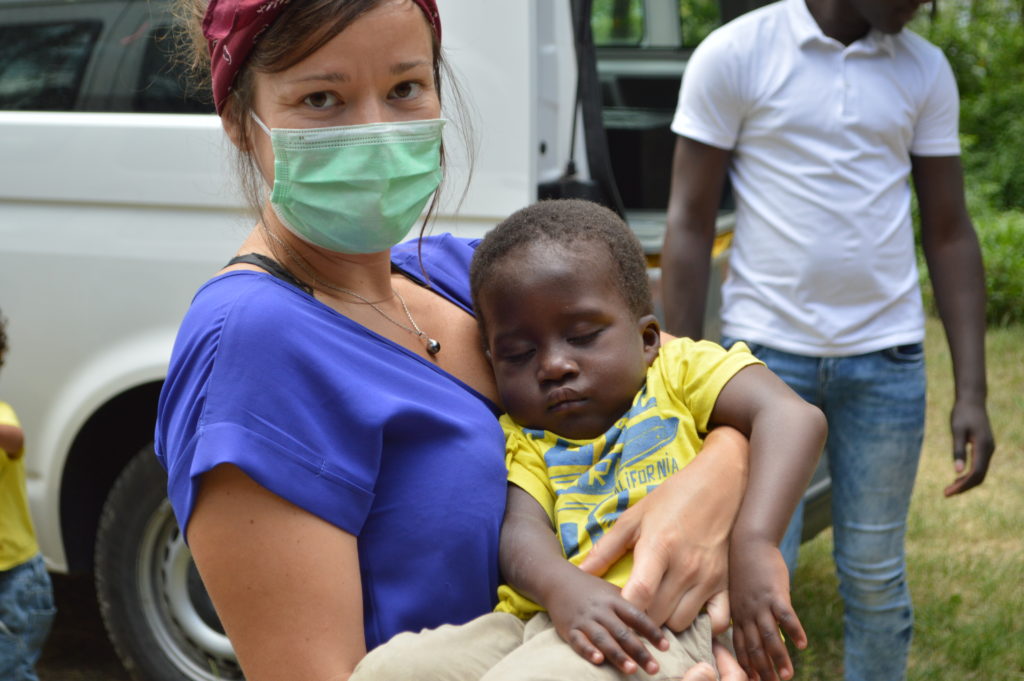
355 188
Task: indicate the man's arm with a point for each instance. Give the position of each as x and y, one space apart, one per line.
698 176
958 279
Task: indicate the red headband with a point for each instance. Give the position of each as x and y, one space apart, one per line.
233 27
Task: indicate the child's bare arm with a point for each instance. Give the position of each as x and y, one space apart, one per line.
588 612
786 438
12 441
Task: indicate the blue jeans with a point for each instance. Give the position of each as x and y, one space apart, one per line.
875 406
26 613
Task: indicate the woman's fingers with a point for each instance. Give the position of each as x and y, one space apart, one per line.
705 672
718 611
614 544
728 667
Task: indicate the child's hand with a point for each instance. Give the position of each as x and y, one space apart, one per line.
759 594
593 618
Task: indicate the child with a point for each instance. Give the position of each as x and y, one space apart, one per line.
26 596
598 414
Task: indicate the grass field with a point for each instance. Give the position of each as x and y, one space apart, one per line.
965 554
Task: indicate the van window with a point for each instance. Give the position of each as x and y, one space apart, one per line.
41 65
161 86
622 22
617 22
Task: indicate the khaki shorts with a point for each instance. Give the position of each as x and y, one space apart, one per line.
501 647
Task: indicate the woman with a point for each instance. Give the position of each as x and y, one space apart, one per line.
328 422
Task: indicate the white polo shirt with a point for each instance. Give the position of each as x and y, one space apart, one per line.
823 259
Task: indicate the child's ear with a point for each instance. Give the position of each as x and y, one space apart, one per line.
650 332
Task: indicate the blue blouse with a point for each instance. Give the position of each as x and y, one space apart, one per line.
351 427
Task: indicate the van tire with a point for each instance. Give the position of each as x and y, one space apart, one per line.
153 604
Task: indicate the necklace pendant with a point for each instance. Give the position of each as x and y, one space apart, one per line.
433 347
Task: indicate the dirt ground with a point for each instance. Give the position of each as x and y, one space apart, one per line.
78 649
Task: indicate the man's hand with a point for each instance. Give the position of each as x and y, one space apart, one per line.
593 618
971 429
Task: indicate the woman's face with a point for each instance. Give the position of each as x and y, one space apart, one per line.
379 69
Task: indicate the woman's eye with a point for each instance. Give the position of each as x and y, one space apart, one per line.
406 90
320 100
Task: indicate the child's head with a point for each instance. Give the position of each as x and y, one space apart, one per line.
561 293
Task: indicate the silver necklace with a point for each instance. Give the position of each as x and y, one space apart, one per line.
433 346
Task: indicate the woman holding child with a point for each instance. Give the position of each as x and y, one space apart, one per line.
329 420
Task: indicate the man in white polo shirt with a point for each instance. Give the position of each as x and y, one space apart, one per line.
820 112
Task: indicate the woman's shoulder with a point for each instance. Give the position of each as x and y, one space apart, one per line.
443 259
245 301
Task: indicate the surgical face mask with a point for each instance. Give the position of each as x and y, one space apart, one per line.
355 188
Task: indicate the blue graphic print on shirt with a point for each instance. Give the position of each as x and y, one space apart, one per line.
598 477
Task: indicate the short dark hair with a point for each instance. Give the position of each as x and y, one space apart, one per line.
566 222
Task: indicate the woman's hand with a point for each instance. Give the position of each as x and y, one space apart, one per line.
679 534
728 669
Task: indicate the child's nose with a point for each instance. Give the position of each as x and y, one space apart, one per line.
556 365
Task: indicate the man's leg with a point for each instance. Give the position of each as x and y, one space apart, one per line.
875 409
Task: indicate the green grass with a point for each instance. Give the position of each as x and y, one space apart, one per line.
965 554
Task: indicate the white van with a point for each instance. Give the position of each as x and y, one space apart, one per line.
117 200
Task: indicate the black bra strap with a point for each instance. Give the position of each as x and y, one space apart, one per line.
272 267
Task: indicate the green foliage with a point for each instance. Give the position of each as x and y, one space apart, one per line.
1001 237
621 22
984 42
1002 248
617 22
697 18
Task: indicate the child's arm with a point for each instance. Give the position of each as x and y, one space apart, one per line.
12 441
786 438
587 612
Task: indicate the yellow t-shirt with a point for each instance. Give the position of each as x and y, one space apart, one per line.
17 536
584 485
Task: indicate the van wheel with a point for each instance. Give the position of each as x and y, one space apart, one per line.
158 616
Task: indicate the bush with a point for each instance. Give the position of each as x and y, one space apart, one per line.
1001 236
1002 247
984 42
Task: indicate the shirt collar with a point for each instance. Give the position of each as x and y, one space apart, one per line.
806 31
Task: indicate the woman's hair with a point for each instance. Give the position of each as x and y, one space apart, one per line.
300 30
572 224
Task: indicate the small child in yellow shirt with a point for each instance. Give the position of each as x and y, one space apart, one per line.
26 594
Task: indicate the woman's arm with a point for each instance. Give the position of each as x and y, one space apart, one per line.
679 534
285 583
